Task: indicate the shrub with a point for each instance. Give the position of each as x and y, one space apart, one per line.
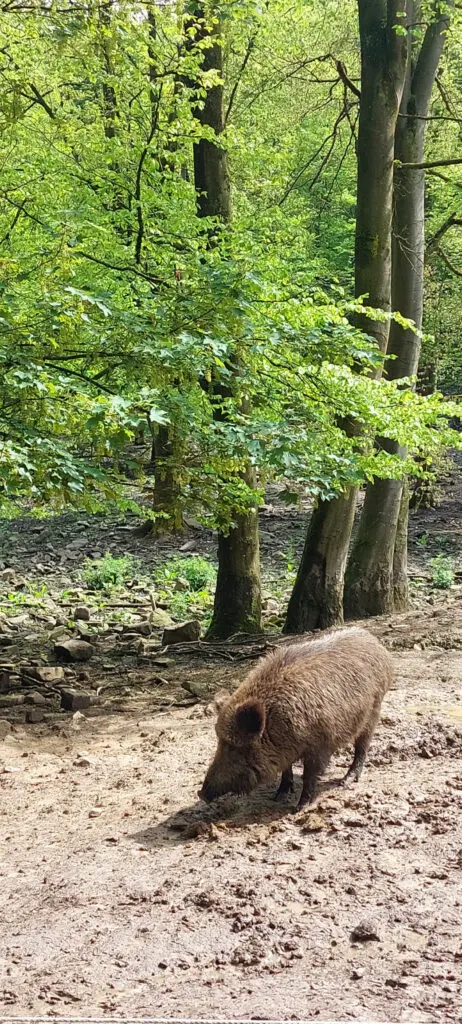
108 572
442 572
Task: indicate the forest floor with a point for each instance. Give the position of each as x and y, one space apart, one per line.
121 894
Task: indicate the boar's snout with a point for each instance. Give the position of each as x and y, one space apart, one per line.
214 788
228 775
238 766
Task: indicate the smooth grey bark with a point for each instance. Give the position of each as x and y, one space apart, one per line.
317 597
370 585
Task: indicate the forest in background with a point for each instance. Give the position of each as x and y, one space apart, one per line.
218 223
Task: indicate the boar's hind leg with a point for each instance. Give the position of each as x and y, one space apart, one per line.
362 746
286 784
313 766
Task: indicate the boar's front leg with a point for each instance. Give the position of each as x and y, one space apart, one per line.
314 763
286 784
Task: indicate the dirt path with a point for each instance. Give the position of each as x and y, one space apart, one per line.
120 893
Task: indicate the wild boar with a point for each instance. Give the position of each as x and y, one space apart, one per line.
301 703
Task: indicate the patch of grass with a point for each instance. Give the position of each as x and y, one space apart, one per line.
32 596
108 573
187 586
197 572
442 572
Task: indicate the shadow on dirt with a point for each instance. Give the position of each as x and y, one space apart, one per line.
200 820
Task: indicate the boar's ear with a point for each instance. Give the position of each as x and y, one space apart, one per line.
220 699
250 718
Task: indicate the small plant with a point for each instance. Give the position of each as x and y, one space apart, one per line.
442 572
187 586
291 563
32 596
108 573
196 571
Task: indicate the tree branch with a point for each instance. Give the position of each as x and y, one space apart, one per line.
19 211
329 138
22 208
250 46
444 96
82 376
42 101
449 264
444 177
20 7
431 163
342 73
454 220
121 269
427 62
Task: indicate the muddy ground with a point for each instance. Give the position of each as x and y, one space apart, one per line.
121 894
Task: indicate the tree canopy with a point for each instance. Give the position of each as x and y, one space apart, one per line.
115 308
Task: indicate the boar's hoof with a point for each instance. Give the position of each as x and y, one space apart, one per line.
282 794
352 777
286 785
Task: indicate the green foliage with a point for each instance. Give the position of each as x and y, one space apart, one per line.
197 572
442 572
108 573
31 596
116 316
187 585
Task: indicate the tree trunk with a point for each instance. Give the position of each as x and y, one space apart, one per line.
211 171
318 593
400 583
369 580
316 600
167 490
237 605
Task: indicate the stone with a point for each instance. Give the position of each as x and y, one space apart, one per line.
195 689
82 761
58 631
160 618
82 629
48 674
74 700
139 628
78 719
272 607
5 728
82 613
189 545
5 679
6 575
34 716
35 698
183 633
366 931
74 650
181 584
8 700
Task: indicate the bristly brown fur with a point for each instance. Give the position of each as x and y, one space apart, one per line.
302 702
